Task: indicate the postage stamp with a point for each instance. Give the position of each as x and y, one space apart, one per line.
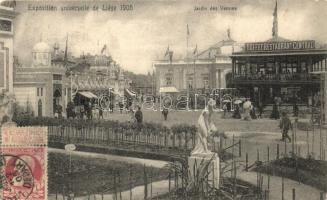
24 173
22 136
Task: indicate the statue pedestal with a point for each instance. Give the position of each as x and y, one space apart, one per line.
205 163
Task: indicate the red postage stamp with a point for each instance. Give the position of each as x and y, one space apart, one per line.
24 173
22 136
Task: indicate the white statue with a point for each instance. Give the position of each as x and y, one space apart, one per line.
205 128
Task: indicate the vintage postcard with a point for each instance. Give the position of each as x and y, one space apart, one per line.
166 100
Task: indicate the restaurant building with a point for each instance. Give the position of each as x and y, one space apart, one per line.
280 68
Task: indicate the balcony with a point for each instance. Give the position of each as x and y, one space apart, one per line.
276 78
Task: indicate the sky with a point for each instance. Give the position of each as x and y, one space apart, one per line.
135 39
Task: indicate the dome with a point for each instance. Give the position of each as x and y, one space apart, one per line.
42 47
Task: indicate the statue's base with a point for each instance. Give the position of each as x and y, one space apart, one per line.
205 164
9 124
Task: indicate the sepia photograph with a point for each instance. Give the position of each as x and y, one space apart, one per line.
163 100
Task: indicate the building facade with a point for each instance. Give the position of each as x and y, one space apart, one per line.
43 86
7 15
202 72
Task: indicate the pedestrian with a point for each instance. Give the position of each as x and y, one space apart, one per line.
260 110
237 113
111 106
225 109
295 110
139 118
285 125
121 107
132 115
252 113
139 115
100 113
165 113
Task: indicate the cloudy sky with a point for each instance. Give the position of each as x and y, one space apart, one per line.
136 38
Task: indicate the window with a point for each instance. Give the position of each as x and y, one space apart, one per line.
206 81
57 77
41 91
37 92
169 79
190 82
303 67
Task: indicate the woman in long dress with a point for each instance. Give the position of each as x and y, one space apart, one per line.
205 128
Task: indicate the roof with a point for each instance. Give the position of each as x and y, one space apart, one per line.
214 50
169 89
281 53
278 39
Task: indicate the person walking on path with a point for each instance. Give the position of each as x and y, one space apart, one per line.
100 113
165 113
132 115
285 125
139 115
139 118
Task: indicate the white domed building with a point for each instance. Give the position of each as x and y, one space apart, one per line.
41 87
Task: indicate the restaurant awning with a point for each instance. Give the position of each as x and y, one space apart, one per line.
89 95
130 92
170 89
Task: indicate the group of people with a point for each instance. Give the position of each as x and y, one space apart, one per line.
136 116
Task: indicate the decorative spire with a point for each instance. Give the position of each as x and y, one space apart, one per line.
275 22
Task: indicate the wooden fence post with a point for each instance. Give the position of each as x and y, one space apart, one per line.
308 148
285 149
145 184
277 157
293 194
282 187
240 149
246 161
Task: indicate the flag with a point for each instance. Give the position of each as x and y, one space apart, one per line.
188 30
167 51
103 48
195 52
275 23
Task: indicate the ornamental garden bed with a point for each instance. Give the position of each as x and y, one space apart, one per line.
96 176
305 170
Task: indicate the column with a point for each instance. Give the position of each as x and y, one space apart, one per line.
324 76
219 78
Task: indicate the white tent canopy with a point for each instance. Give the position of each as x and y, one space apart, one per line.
170 89
89 95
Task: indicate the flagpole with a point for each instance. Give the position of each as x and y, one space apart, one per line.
188 88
